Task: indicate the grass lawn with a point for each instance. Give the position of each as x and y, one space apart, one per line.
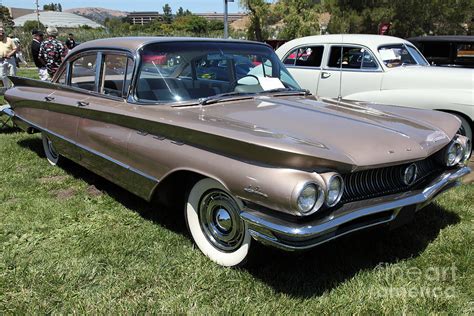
72 242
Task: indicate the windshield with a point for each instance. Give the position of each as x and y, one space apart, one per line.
401 55
181 71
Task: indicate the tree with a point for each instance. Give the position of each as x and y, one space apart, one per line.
53 7
31 25
167 14
408 18
299 17
182 12
5 17
215 25
259 10
191 23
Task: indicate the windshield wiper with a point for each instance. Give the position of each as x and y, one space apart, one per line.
295 91
222 96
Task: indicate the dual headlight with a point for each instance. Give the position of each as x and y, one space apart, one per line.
313 195
458 151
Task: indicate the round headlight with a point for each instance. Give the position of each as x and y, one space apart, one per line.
335 189
307 198
454 154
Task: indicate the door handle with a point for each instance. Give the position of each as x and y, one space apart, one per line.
325 75
82 103
49 99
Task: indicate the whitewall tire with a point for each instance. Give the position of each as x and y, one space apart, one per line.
51 154
213 219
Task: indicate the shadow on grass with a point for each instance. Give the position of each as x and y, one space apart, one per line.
170 219
300 274
8 128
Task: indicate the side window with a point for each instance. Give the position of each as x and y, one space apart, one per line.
310 56
83 72
117 74
291 58
352 58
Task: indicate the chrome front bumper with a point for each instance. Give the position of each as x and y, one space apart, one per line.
296 235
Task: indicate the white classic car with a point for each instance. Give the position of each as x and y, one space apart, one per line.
382 69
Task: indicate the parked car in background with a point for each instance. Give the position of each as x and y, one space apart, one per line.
449 50
382 69
243 155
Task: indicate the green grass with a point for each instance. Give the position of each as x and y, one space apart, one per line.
72 242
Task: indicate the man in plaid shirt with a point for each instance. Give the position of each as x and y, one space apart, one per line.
52 51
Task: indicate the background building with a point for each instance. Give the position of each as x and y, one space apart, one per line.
142 18
57 19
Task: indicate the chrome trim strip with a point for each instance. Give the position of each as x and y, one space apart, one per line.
90 150
266 228
302 67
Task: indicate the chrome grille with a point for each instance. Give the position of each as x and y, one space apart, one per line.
381 181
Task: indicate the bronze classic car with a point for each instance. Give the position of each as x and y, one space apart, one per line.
221 128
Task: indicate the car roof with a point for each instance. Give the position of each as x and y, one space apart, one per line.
364 39
134 43
443 38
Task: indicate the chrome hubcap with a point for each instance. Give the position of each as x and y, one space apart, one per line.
220 220
223 220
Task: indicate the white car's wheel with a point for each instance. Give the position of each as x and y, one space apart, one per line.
213 219
51 154
465 128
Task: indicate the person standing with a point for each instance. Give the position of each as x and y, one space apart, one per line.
35 51
19 53
52 51
70 42
7 58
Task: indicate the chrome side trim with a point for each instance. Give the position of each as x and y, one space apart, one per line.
289 235
90 150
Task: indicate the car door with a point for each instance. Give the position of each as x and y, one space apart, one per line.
63 119
353 69
103 133
304 64
329 78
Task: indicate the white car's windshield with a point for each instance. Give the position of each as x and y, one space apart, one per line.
181 71
401 55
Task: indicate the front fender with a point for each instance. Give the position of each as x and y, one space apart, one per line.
458 100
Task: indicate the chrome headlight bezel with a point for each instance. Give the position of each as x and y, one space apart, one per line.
458 147
329 178
467 147
319 198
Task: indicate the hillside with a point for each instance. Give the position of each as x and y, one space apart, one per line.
98 14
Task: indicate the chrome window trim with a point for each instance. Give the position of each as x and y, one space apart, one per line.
102 52
378 69
303 67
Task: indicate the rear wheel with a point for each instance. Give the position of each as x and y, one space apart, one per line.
213 219
51 154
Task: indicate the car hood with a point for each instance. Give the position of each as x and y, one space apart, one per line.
319 132
429 77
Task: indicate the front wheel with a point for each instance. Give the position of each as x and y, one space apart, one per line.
51 154
213 219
